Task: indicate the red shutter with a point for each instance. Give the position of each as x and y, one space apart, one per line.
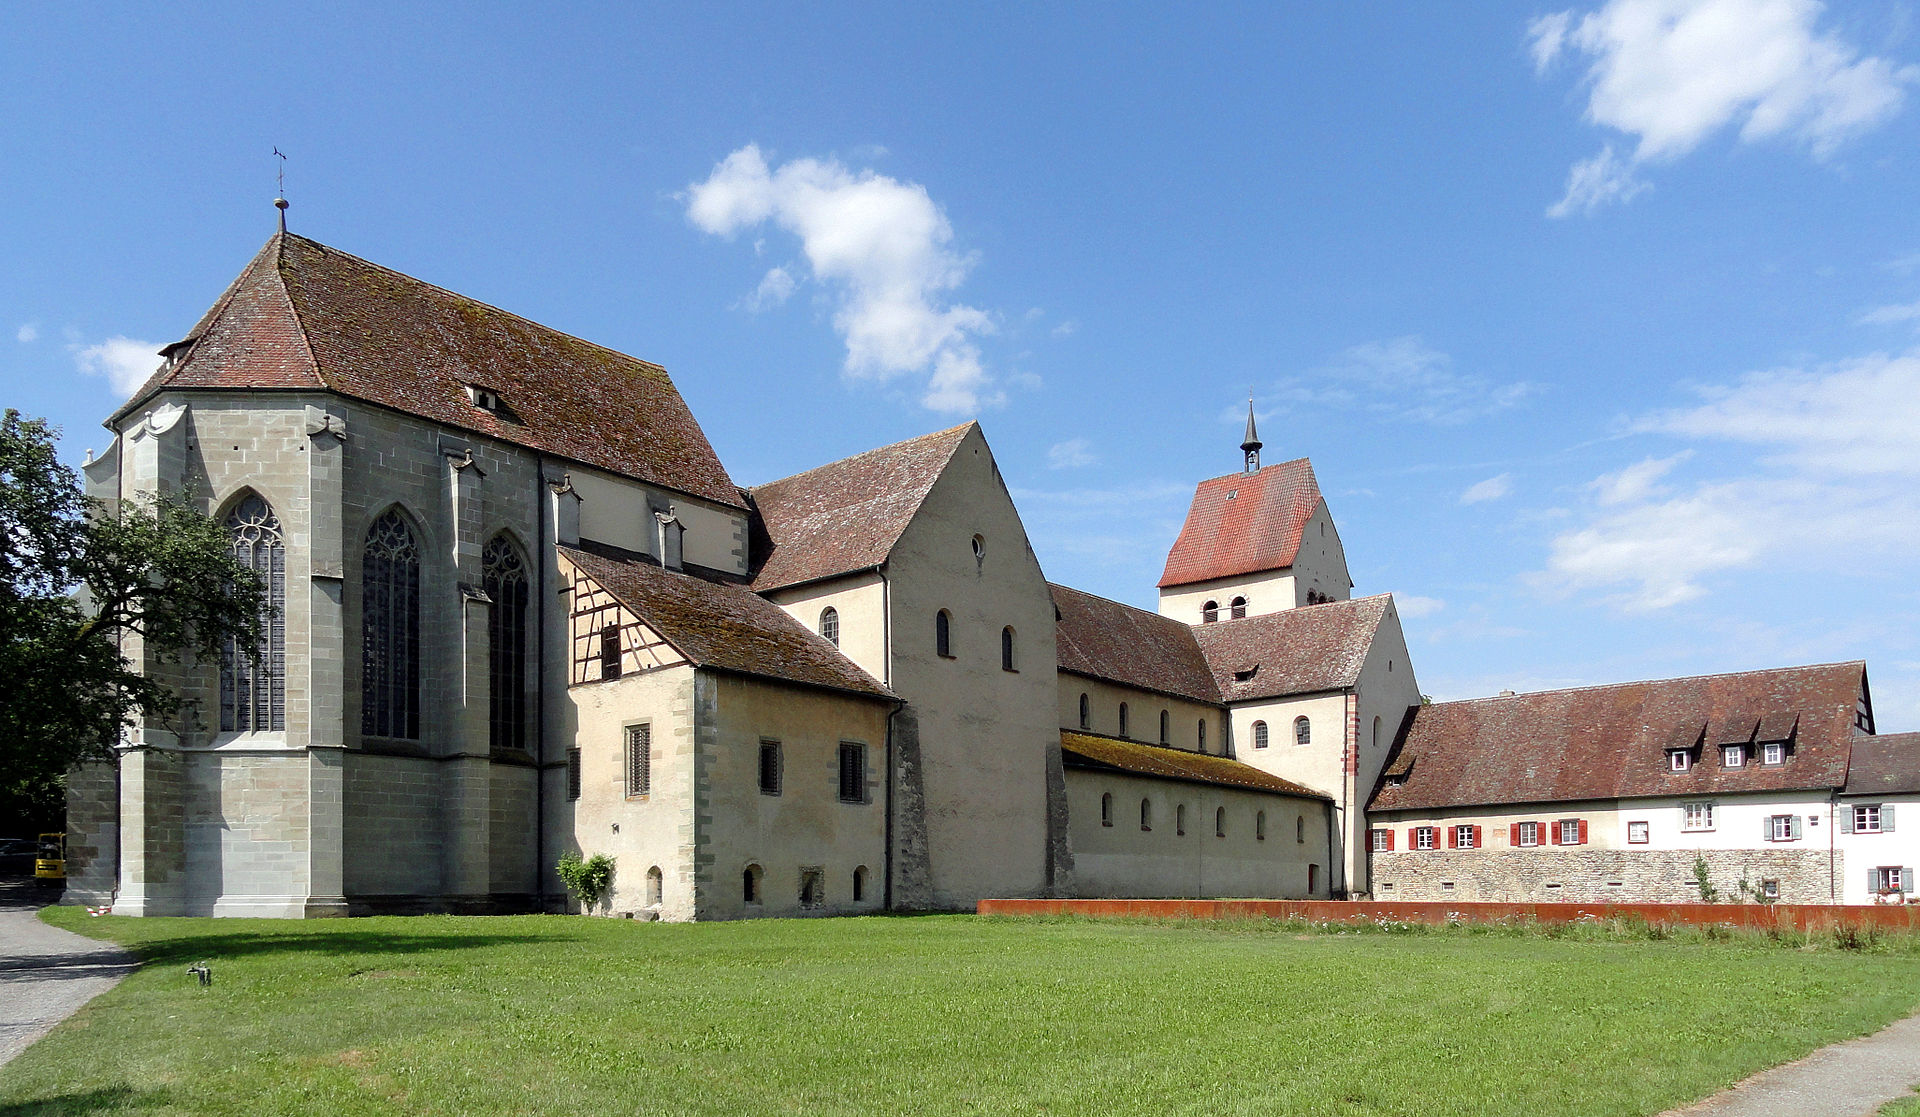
1553 834
1479 837
1413 838
1453 837
1513 835
1583 831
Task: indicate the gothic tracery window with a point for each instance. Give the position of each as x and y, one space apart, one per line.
253 681
390 630
504 577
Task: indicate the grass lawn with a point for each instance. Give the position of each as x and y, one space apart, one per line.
938 1015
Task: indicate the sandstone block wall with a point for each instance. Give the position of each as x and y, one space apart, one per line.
1587 875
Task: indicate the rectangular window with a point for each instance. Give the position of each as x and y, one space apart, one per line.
1770 889
1866 820
1889 878
1699 816
1783 827
1637 833
1679 760
853 772
1733 756
1465 837
573 773
769 767
1383 841
610 652
1572 832
1526 833
639 760
1773 752
1425 837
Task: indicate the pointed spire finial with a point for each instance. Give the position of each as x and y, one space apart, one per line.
280 195
1251 447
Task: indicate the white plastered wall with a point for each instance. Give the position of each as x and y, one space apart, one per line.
1123 860
1143 713
861 601
1860 852
617 511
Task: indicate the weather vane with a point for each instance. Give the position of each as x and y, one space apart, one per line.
280 195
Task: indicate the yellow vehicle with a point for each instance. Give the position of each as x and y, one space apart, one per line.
51 866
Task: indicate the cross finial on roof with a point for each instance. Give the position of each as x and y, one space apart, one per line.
1251 447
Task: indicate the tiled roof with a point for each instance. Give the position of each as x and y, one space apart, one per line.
1884 765
720 625
1244 523
1294 651
1609 742
305 316
845 515
1130 646
1084 750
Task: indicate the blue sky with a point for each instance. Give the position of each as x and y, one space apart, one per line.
1598 323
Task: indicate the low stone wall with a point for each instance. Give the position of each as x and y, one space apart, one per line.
1587 876
1799 917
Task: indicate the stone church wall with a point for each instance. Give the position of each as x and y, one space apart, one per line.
394 832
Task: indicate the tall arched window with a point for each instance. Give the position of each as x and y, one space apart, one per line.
1210 612
1259 734
1146 814
1180 821
830 625
1237 608
390 630
1376 732
1220 822
504 577
1123 719
1086 712
253 681
1302 731
1006 648
1260 827
943 634
1203 734
1106 809
1166 727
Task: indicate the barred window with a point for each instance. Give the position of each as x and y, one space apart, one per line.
769 767
853 772
390 630
253 680
1259 734
830 625
1210 612
639 760
504 577
1302 731
1237 608
573 774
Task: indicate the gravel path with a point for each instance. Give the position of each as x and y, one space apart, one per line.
46 974
1851 1079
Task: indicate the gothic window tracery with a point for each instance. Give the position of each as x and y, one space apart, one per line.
504 577
390 630
253 690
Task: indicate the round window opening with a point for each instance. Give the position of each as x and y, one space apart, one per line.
979 546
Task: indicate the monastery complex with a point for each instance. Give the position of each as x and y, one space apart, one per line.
522 609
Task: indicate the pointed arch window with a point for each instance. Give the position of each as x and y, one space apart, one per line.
504 577
253 680
390 630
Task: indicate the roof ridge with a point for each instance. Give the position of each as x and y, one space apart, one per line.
1860 663
279 243
450 293
1112 601
1302 460
928 437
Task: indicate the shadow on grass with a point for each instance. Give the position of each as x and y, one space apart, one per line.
112 1099
193 948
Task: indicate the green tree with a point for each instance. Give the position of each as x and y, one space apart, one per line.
76 578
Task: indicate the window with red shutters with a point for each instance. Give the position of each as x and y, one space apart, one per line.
1513 835
1583 831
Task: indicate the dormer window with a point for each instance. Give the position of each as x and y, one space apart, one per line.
1733 756
1245 673
1679 760
1773 752
486 399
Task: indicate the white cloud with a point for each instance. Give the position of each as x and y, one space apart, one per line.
1671 73
1891 315
124 362
1400 378
1493 488
1638 481
775 288
1067 328
1835 482
884 247
1071 454
1413 605
27 334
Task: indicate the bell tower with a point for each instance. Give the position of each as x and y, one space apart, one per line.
1251 446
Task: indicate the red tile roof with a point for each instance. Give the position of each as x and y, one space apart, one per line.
1244 523
1609 742
305 316
1294 651
1084 750
1129 646
721 626
845 515
1885 765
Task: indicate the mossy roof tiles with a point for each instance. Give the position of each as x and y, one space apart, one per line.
1084 750
1885 765
720 625
1119 643
1611 742
305 316
1294 651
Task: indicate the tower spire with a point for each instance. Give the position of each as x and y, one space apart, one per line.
280 195
1251 447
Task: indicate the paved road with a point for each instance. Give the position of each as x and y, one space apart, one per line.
46 974
1852 1079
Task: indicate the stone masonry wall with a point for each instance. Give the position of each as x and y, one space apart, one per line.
393 826
1596 875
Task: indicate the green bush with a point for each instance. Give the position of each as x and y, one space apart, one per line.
588 880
